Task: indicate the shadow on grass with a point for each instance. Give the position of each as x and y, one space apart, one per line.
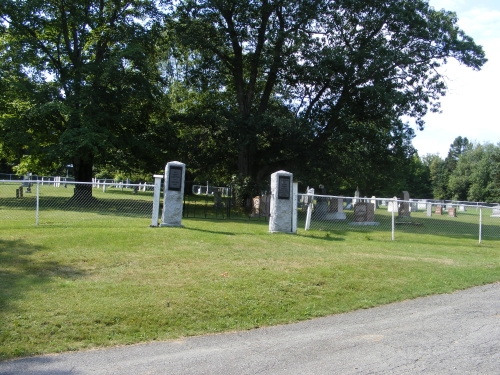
211 231
20 273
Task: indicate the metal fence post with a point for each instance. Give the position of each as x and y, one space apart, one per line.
480 223
394 204
37 202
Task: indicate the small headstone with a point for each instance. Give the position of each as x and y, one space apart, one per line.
392 206
374 201
429 209
462 208
404 206
336 209
439 210
452 212
496 212
363 212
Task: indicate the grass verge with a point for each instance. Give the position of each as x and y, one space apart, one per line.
65 287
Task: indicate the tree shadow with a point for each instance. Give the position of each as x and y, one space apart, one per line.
19 273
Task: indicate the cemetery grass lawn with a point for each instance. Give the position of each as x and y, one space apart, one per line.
96 284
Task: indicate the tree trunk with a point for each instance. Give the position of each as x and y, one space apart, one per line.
83 173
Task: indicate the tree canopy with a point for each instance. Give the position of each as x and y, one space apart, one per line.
242 87
81 82
299 84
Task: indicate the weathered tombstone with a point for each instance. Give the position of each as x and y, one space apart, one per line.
429 209
265 200
282 206
452 212
218 199
321 208
374 201
462 208
255 206
439 210
173 194
449 205
363 212
392 206
336 209
348 204
404 206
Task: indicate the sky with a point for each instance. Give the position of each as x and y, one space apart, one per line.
471 107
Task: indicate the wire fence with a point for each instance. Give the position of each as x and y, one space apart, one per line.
395 216
56 202
34 202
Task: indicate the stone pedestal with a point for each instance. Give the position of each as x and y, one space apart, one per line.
173 194
282 207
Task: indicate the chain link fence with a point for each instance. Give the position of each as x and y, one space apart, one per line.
33 202
63 202
396 216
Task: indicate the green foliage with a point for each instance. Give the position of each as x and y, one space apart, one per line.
475 177
311 82
240 87
82 83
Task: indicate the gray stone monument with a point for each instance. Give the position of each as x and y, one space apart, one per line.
404 206
429 209
173 194
282 206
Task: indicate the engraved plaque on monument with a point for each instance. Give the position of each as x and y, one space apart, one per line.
284 187
175 178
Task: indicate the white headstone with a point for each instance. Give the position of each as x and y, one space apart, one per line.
173 194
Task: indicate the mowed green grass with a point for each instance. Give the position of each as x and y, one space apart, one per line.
95 283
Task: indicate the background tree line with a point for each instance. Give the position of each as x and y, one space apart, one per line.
236 89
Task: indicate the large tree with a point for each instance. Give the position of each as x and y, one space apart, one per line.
81 82
302 77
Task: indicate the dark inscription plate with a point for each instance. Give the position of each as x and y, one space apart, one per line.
284 187
175 178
